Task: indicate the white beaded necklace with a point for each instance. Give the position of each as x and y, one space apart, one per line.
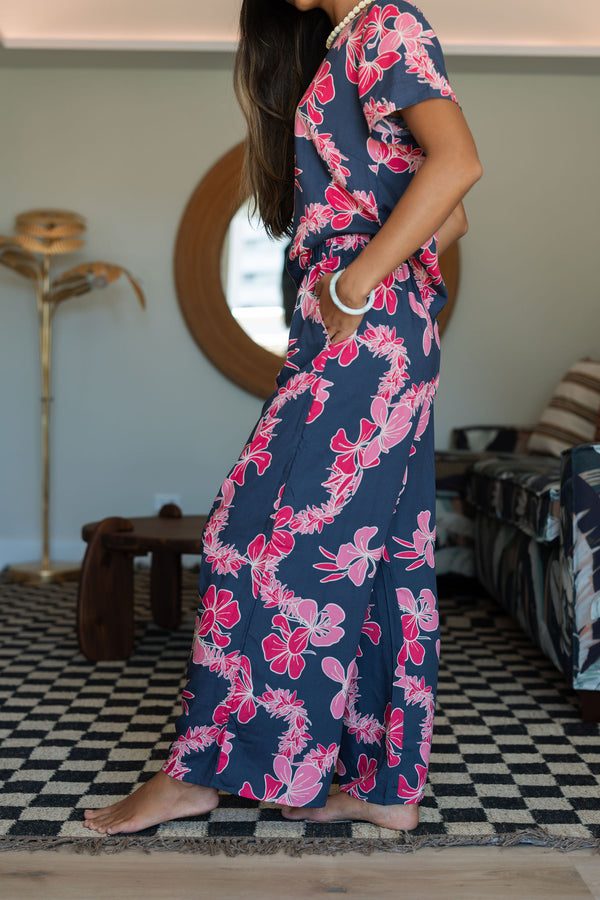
351 15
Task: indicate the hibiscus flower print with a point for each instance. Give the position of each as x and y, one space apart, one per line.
395 157
413 36
347 458
324 626
334 670
385 295
372 71
255 453
344 205
320 91
420 550
406 792
284 652
220 611
344 351
394 424
419 614
302 786
367 777
422 609
353 560
394 734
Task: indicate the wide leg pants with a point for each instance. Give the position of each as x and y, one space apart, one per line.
317 638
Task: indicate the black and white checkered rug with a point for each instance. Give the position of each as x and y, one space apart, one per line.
511 761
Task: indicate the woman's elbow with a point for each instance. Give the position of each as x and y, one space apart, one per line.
471 166
466 168
475 169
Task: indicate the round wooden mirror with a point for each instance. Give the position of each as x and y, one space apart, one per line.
198 251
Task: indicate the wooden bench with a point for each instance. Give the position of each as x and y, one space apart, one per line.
105 623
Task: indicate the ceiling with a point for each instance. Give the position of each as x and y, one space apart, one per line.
523 27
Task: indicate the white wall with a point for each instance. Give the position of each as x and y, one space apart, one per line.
529 303
138 409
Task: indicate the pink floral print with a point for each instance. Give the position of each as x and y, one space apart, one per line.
422 545
389 58
354 560
220 612
316 645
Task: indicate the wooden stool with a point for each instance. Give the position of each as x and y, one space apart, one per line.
105 625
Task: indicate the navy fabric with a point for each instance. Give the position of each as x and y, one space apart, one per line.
317 640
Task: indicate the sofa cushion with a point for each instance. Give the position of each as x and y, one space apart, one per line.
573 415
523 491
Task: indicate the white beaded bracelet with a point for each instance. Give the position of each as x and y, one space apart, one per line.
349 310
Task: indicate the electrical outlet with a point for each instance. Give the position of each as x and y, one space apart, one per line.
161 499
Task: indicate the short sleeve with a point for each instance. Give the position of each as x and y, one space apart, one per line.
399 61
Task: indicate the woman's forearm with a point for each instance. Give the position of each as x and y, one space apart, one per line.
454 227
450 168
425 207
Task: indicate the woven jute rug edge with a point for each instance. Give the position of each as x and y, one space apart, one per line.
404 843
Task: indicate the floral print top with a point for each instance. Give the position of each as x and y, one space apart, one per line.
353 160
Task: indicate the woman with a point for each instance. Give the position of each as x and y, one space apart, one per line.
316 645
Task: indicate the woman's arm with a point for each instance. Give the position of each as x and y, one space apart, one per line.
450 169
455 227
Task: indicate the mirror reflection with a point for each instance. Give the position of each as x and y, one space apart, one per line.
260 293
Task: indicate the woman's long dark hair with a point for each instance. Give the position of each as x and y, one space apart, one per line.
279 52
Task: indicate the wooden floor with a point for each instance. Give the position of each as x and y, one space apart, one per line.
464 873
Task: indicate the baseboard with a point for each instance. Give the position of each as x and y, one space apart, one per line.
13 552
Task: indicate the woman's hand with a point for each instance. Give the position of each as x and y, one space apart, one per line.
339 325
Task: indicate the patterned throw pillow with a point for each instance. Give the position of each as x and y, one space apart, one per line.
573 415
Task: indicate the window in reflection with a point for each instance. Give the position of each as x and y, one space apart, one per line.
255 271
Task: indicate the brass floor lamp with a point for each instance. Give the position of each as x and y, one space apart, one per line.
40 235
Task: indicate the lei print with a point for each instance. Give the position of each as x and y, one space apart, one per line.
294 616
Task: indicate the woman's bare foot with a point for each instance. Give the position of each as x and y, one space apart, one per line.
340 806
159 800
